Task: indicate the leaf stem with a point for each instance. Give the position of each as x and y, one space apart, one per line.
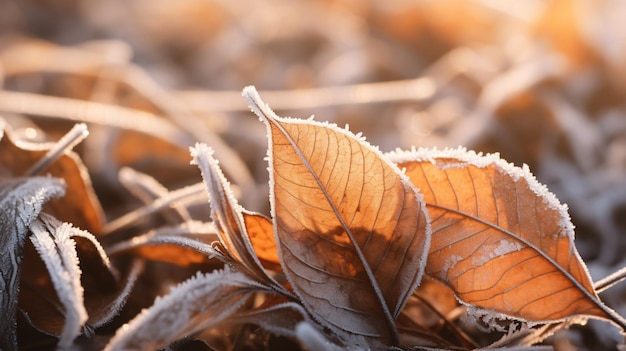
610 280
77 134
189 194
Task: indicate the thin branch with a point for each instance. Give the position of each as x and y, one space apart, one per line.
610 280
420 89
93 112
192 193
77 134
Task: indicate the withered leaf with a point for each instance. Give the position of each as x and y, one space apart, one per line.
57 250
352 231
230 218
199 303
500 239
68 281
21 200
80 205
261 234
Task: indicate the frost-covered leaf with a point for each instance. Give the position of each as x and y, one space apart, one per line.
106 303
352 231
500 239
199 303
21 200
80 205
44 298
230 218
57 250
105 288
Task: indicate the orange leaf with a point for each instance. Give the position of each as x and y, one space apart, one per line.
261 234
499 238
351 229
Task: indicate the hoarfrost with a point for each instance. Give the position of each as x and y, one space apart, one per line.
504 247
464 158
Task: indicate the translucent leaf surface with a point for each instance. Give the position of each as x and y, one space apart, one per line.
261 234
500 239
351 229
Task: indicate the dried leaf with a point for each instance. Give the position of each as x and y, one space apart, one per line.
261 234
21 200
52 241
352 231
196 304
230 218
105 304
80 205
500 239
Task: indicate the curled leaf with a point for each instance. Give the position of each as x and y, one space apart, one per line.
352 231
500 239
231 220
57 250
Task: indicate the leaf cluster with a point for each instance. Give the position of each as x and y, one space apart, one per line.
420 248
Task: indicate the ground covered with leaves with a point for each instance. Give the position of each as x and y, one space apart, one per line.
143 206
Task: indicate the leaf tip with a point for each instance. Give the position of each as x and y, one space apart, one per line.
200 151
260 108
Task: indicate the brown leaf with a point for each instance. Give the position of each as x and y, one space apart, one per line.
500 239
352 231
261 234
68 281
230 218
80 205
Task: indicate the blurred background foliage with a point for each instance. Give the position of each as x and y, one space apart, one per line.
540 82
